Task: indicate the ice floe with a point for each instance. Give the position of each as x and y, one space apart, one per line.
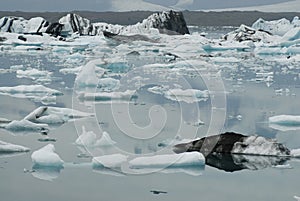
55 115
174 160
184 95
89 139
285 122
46 156
37 93
6 147
26 126
110 161
108 96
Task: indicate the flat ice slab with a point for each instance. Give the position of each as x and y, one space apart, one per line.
173 160
109 161
6 147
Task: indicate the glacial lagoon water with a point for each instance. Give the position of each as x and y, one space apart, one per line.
243 94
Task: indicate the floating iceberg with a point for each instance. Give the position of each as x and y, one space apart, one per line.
276 27
285 122
26 126
110 161
55 115
295 153
46 156
169 160
89 139
6 147
33 74
108 84
184 95
38 93
257 145
108 96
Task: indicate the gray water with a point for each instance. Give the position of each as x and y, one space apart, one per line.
254 101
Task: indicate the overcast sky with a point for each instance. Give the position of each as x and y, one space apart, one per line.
121 5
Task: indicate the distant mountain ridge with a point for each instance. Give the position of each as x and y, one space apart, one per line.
200 18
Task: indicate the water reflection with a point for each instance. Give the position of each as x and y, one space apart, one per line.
46 172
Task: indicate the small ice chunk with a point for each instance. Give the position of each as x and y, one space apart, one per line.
285 166
105 140
87 138
46 156
174 160
6 147
110 161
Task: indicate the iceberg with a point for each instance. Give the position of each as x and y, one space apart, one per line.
46 156
276 27
108 96
295 153
86 139
169 160
87 76
6 147
89 139
37 93
26 126
257 145
55 115
108 84
33 74
187 95
181 95
285 122
109 161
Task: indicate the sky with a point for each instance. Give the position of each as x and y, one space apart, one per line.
125 5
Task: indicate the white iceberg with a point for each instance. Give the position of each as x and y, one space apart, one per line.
55 115
275 27
173 160
37 93
108 84
6 147
285 122
295 153
89 139
181 95
46 156
33 74
187 95
257 145
26 126
86 139
110 161
108 96
87 76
